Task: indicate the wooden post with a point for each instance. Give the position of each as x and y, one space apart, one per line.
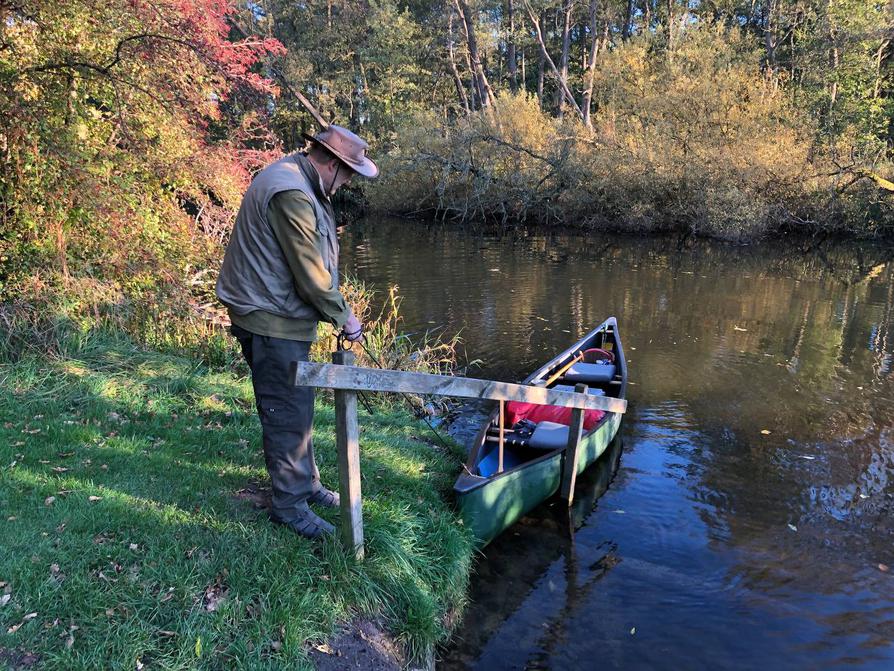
347 440
502 428
575 431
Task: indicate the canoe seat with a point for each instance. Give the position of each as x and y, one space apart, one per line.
592 391
549 436
590 373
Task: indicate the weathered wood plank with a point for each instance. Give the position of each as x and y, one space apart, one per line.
569 467
347 440
502 434
359 378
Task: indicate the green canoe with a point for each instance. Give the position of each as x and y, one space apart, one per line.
534 451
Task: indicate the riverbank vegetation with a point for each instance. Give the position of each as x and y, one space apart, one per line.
128 133
133 532
738 120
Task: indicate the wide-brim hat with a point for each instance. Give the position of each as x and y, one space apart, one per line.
349 148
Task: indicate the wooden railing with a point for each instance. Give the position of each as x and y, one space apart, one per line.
347 379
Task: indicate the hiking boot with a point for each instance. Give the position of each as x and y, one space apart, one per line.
324 497
305 523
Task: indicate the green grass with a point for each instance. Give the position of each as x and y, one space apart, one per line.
169 567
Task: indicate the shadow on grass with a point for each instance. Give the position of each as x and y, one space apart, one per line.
167 561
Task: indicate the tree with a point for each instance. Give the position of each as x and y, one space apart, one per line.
123 126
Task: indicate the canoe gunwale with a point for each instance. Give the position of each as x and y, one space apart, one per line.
476 481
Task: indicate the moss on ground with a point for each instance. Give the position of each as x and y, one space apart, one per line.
124 540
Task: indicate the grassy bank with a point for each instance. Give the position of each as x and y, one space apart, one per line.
131 537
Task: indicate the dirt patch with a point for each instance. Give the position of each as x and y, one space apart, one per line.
255 494
359 645
14 659
465 421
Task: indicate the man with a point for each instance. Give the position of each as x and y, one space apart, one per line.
278 280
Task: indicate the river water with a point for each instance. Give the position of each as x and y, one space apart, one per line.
743 517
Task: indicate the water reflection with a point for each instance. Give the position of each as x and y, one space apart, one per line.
752 511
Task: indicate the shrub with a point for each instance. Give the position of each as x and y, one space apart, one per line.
701 142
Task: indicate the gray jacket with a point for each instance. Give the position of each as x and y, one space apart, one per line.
255 274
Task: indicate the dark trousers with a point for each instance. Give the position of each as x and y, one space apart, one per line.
287 415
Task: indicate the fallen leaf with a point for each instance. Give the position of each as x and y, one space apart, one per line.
739 328
883 568
165 632
69 641
276 645
619 511
133 546
50 500
792 527
94 499
11 518
14 628
633 631
766 432
59 469
54 569
5 599
325 648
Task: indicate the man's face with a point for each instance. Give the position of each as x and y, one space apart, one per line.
337 175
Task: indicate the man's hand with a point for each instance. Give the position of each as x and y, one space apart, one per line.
353 329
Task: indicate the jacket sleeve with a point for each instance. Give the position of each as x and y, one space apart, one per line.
294 224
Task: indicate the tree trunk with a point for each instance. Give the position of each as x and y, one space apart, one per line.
628 19
669 29
770 35
833 65
524 74
451 56
540 68
879 58
481 84
510 47
567 7
552 65
591 65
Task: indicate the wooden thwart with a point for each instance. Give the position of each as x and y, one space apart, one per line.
358 378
